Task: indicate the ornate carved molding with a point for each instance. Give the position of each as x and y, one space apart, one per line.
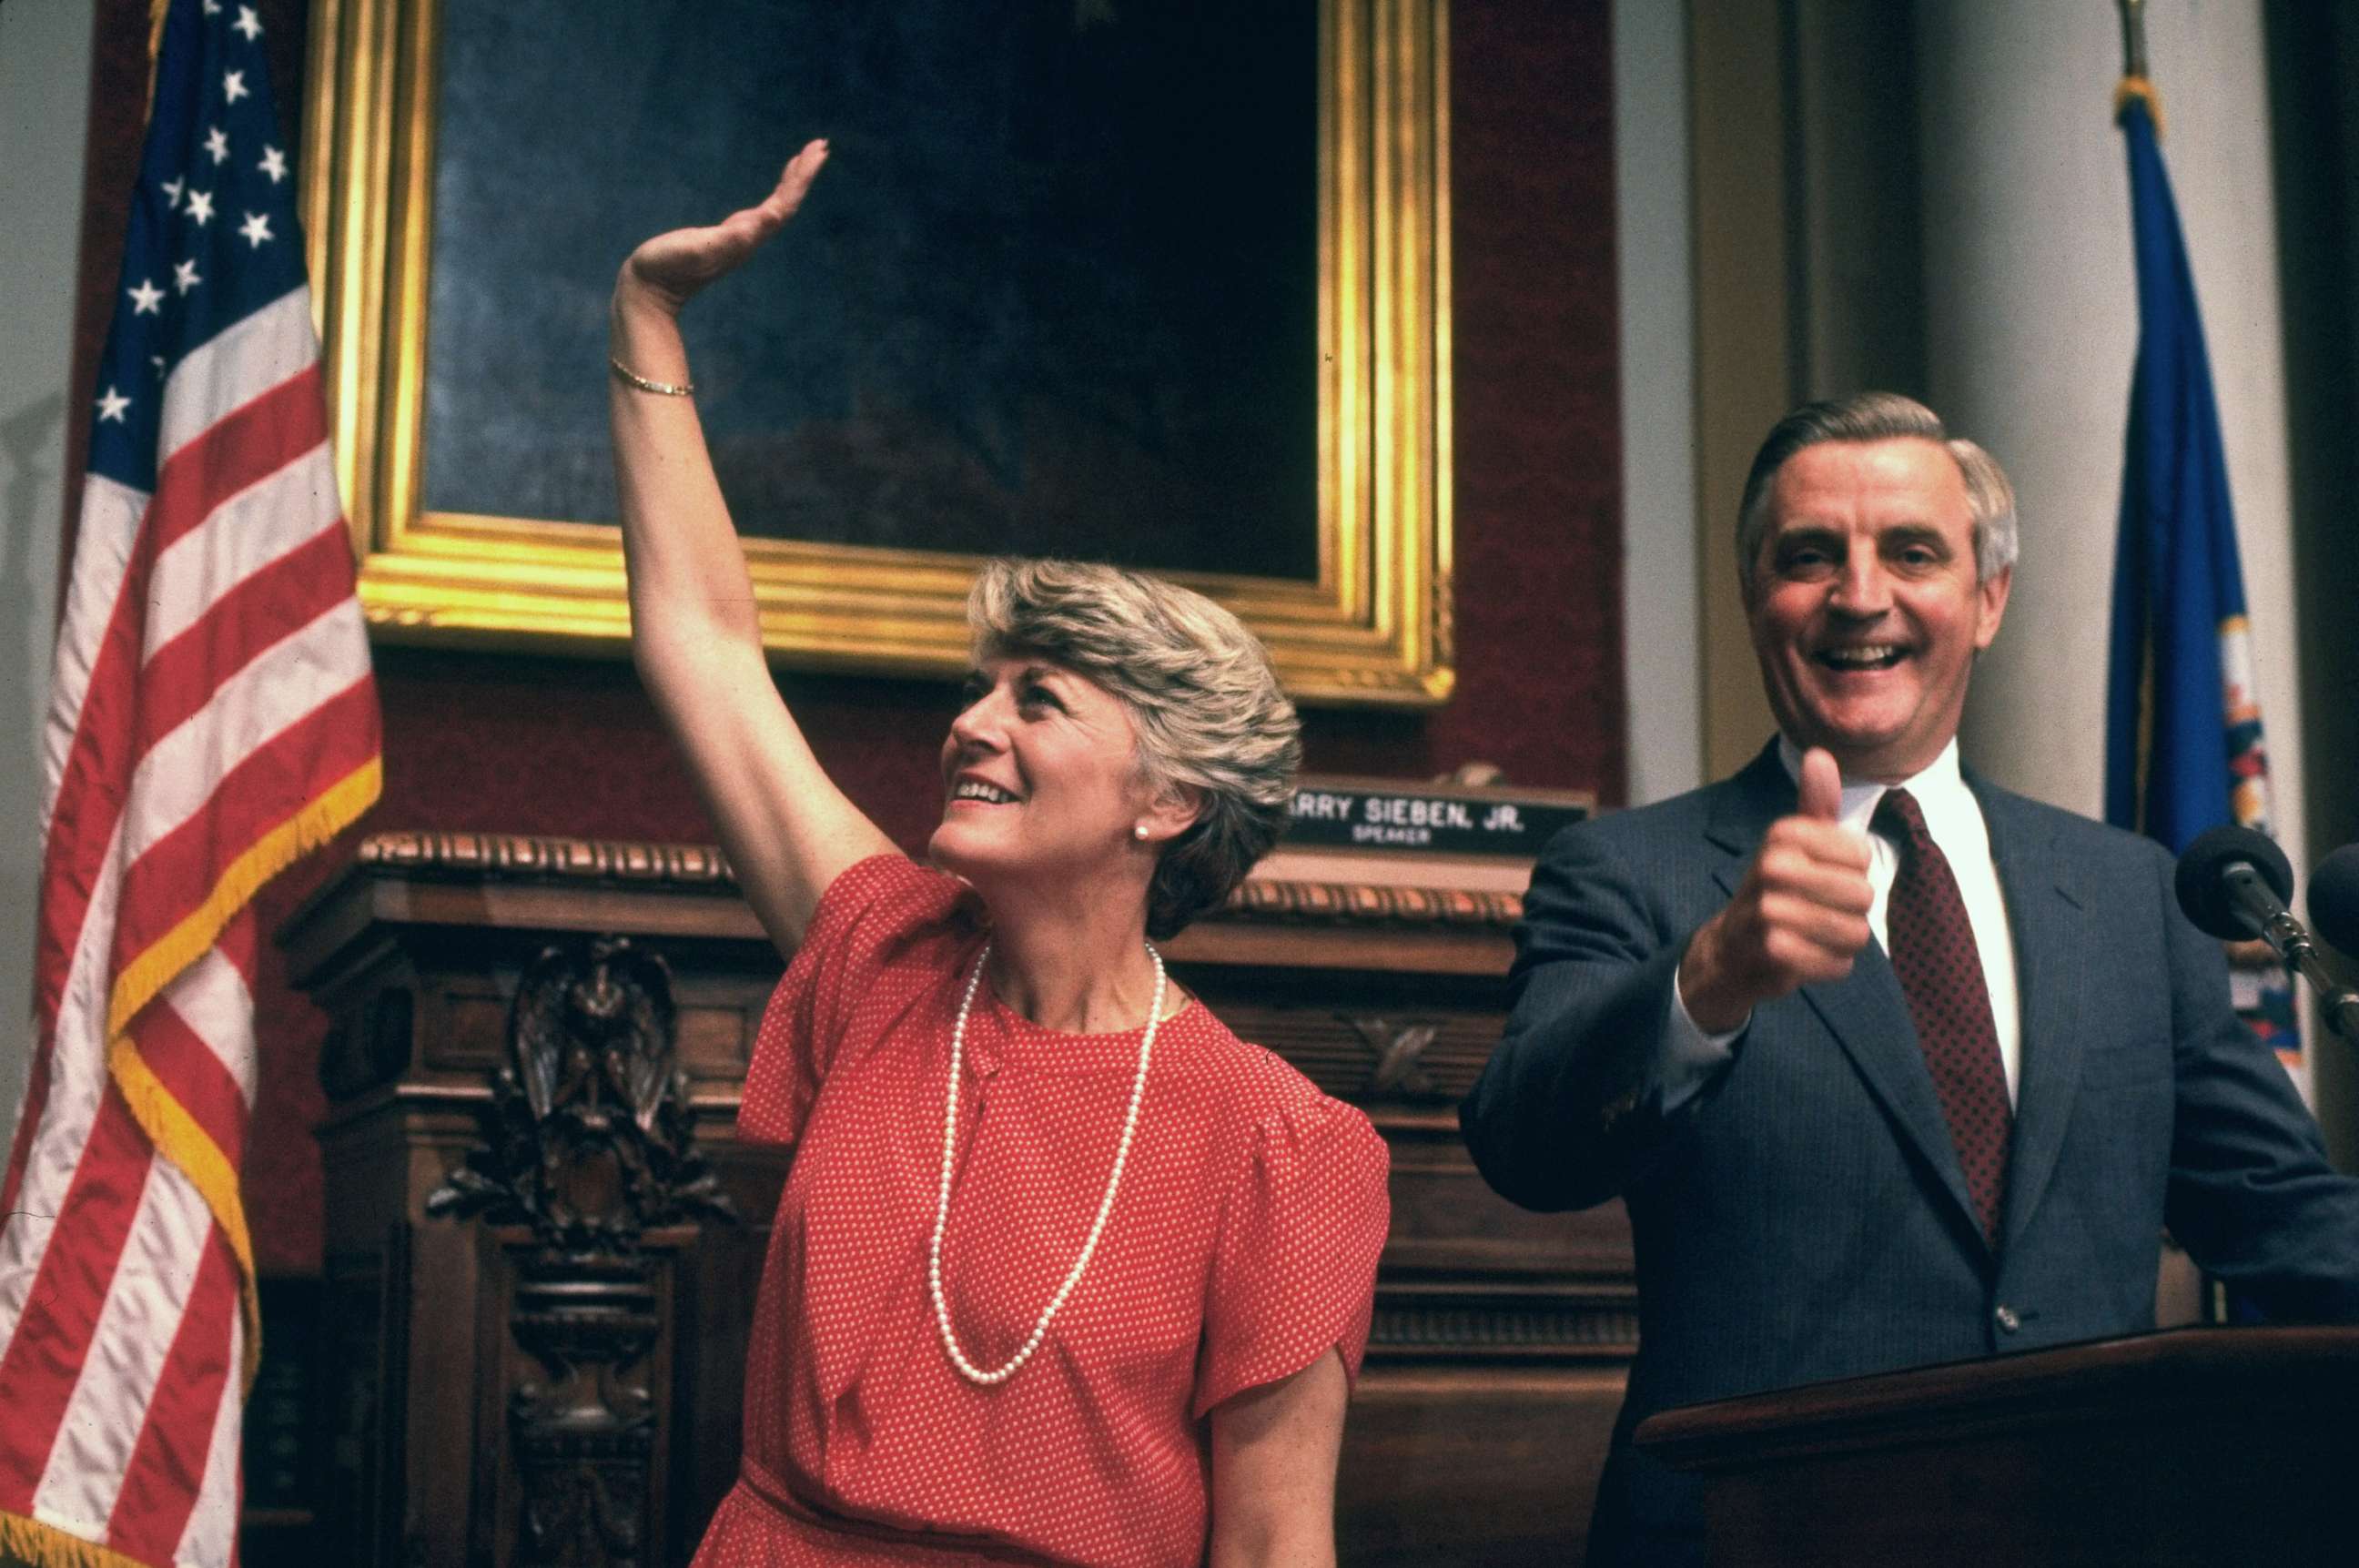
1398 1048
1366 903
585 1436
702 868
587 1137
562 859
587 1144
1407 1329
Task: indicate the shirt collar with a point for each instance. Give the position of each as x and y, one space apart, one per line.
1940 789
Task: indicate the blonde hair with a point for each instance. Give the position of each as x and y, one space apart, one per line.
1202 697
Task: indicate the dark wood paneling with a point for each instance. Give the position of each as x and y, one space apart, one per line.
2177 1450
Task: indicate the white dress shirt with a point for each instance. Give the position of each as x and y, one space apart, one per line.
1954 819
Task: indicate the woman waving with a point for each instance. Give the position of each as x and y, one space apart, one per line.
1063 1271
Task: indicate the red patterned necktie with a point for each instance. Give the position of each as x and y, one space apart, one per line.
1941 970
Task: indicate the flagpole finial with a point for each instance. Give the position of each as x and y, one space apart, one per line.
2136 86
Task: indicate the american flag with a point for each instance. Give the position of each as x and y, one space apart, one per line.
211 718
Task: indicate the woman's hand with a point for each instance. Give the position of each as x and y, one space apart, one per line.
668 270
696 628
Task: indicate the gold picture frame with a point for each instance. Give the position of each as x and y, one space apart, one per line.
1373 628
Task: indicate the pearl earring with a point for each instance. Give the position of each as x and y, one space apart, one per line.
1138 832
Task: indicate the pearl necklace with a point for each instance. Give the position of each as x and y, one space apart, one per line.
968 1370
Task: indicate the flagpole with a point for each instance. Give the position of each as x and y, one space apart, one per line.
2135 83
157 10
2133 37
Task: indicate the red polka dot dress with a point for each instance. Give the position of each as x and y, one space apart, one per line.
1241 1247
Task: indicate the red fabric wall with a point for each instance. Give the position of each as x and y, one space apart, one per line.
510 743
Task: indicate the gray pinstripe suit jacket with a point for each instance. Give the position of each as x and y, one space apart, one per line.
1804 1217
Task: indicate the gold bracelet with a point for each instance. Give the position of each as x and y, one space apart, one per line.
626 373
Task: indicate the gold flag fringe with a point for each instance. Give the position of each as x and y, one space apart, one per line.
178 1137
29 1543
175 1134
330 814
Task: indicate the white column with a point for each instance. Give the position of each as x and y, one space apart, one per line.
1655 271
2032 328
44 111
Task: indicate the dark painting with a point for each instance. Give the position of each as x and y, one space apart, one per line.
1057 292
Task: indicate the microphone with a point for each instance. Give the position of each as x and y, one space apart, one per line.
2234 883
2334 898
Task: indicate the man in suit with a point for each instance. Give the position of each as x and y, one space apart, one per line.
1891 1066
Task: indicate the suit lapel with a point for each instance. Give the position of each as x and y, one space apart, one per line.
1865 1012
2044 912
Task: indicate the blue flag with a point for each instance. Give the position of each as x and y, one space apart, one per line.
2183 747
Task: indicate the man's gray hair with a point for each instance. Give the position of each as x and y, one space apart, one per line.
1872 417
1200 693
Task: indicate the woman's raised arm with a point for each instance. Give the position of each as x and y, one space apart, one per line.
696 636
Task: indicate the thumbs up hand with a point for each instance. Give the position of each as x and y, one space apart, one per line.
1800 916
1821 786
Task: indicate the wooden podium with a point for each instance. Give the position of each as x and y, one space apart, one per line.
2197 1446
